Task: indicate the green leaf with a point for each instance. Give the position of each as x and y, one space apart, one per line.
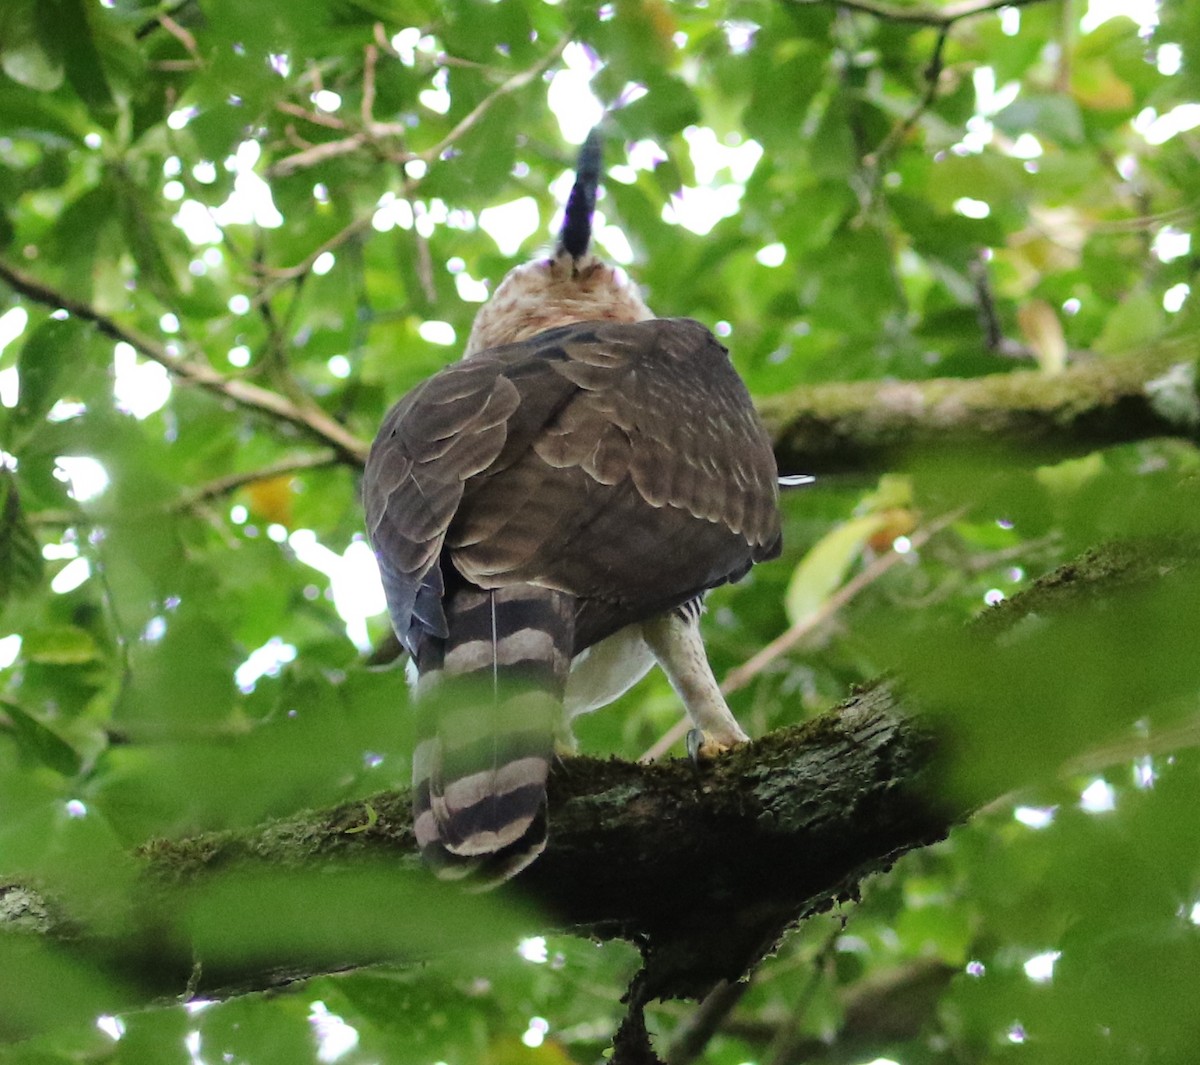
65 32
23 55
20 554
63 645
41 741
1136 319
1055 118
49 361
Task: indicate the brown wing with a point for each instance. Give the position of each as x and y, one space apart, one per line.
620 463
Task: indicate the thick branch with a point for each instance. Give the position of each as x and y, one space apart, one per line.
704 867
876 425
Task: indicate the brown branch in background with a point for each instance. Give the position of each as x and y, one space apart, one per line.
232 482
696 1031
923 16
367 108
305 114
310 419
933 77
787 1039
375 132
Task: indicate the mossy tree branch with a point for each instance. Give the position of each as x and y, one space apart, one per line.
703 867
1034 416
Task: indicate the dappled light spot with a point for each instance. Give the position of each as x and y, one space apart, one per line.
335 1038
535 1034
1158 129
437 97
1098 797
1040 968
1035 816
772 254
971 208
1175 297
1168 57
10 648
71 576
354 582
437 332
139 387
111 1026
533 949
86 476
510 224
570 96
265 661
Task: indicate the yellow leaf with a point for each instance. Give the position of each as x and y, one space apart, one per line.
1043 332
271 499
822 571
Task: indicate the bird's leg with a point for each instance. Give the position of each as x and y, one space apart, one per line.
675 640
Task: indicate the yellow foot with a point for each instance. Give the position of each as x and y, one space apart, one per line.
702 746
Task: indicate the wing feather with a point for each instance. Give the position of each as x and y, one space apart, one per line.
621 463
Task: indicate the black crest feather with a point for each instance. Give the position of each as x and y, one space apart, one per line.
576 232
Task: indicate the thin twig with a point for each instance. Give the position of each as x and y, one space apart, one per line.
367 109
315 117
742 675
309 419
933 77
378 131
783 1046
232 482
923 16
697 1030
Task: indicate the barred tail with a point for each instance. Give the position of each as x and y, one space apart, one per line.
489 703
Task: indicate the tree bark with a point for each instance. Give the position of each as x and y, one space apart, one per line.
1034 416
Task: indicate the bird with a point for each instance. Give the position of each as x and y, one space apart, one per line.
548 514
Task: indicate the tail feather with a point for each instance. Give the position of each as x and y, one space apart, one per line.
489 703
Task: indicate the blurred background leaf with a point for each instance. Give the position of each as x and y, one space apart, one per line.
293 197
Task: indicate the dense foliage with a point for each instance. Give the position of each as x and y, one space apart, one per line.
232 233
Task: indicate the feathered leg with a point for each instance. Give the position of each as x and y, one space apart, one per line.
677 644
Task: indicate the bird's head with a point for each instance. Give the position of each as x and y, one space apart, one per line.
570 285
